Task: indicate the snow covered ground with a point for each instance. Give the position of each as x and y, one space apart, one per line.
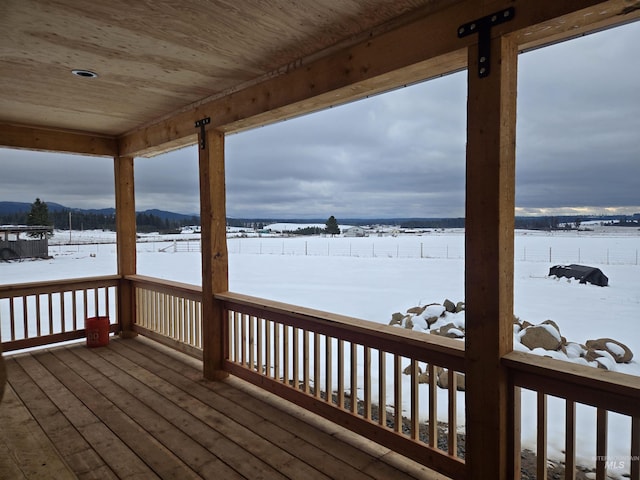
373 277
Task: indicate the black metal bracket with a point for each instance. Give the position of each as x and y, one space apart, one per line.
203 138
483 27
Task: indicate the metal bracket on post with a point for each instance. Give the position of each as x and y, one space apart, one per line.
483 27
203 138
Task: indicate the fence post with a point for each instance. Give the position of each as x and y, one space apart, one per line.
421 244
549 254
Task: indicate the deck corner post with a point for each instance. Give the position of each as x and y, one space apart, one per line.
215 264
125 241
490 206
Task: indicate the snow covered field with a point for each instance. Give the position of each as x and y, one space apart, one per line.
373 277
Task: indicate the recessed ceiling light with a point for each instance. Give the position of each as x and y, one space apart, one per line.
84 73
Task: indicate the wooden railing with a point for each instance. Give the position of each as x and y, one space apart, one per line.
362 375
36 314
603 392
169 312
379 381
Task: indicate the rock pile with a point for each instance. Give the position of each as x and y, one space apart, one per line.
448 320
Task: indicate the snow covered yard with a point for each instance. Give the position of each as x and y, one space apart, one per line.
325 274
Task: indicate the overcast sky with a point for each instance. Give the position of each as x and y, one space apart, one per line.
400 154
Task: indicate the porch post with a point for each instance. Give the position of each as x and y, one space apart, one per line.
215 268
490 204
125 240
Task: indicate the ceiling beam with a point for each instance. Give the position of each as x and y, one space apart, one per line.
50 140
423 49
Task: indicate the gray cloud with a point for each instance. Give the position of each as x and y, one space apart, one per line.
401 153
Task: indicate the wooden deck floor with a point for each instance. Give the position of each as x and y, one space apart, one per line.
136 410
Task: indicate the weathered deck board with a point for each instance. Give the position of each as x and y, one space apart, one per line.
25 452
135 409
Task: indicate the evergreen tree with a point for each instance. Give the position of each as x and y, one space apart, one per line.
39 215
332 226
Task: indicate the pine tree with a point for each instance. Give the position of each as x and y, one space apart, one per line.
332 226
39 215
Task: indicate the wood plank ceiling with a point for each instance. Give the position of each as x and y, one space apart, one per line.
155 58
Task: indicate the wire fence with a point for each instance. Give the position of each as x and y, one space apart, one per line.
540 251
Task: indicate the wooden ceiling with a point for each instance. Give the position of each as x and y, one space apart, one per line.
163 64
156 57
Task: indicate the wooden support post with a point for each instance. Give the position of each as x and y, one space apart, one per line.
490 202
125 240
215 267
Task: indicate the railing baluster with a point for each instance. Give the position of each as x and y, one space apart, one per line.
285 353
74 307
452 414
12 317
252 342
515 467
541 451
328 375
397 393
415 401
267 344
243 338
340 373
367 382
107 307
317 387
237 343
354 377
433 405
295 380
635 448
62 313
276 350
601 444
96 302
570 441
25 317
38 317
50 306
259 345
86 303
305 361
382 388
199 325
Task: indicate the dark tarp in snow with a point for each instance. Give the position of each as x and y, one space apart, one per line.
581 272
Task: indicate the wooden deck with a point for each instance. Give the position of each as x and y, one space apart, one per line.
137 410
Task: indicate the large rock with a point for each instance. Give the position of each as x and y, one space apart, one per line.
449 306
450 331
416 310
544 336
443 380
409 369
397 318
619 351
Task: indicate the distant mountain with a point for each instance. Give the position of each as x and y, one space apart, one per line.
11 208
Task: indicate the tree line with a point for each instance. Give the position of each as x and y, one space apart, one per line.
59 219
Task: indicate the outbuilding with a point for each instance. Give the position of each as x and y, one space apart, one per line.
33 243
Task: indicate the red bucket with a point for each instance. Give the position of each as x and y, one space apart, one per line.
97 329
